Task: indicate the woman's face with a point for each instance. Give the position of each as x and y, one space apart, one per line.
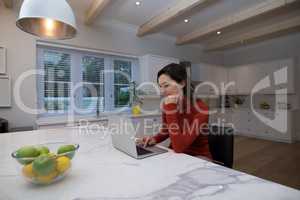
169 86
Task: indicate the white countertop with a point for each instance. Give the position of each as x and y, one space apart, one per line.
256 109
64 120
101 172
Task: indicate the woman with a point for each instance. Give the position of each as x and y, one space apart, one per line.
182 119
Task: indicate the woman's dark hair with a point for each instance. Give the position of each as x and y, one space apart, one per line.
177 72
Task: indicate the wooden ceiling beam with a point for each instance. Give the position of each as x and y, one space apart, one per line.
8 3
259 34
242 16
157 22
96 7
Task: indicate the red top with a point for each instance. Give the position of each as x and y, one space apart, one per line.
184 128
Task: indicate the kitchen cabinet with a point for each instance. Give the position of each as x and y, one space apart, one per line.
201 73
240 121
149 67
221 118
272 70
277 135
219 76
247 76
211 74
290 64
151 64
246 123
232 79
2 60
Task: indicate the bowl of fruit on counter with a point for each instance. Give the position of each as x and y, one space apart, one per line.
45 163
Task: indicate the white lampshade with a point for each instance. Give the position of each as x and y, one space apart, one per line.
51 19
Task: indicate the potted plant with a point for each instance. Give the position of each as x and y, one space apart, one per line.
238 101
265 105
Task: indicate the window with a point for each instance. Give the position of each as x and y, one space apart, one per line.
57 81
122 77
93 82
83 82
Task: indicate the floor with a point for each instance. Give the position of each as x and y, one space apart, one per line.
274 161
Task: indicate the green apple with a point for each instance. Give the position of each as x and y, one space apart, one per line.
43 150
43 165
68 150
25 155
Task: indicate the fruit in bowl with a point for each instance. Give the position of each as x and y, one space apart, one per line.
40 165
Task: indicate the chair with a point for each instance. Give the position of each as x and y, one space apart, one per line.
221 145
3 126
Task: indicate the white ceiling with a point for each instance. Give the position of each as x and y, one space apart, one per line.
127 12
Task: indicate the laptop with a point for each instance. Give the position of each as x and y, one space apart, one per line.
123 133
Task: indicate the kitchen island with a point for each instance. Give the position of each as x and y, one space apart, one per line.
101 172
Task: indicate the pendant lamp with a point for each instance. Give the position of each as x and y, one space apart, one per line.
49 19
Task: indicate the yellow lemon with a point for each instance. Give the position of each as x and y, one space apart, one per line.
47 179
136 110
27 171
63 164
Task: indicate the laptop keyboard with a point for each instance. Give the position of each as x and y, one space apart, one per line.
142 151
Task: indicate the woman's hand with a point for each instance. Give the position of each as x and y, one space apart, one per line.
171 99
146 141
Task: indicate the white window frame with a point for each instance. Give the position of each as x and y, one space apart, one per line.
40 81
134 75
76 60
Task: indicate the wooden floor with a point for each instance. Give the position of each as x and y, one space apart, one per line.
274 161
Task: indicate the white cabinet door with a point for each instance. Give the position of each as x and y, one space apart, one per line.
149 67
257 72
272 70
240 121
247 76
244 79
290 64
2 60
213 75
267 70
287 135
219 77
232 77
248 124
151 64
202 73
258 127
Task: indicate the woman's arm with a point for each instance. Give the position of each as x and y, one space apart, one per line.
163 134
183 137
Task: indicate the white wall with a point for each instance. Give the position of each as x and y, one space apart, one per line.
278 48
111 36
